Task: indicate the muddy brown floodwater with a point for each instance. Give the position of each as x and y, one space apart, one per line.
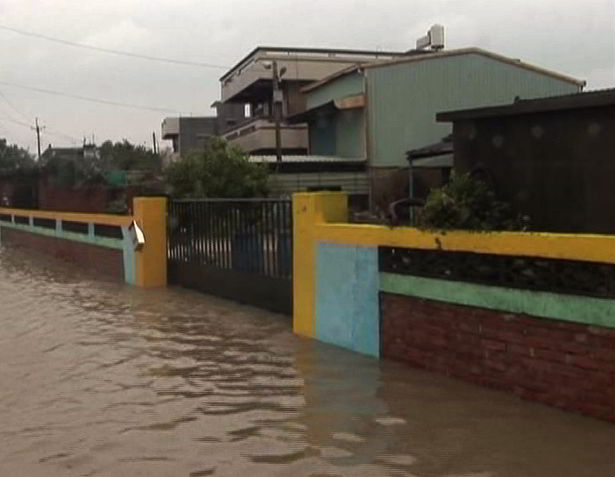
100 379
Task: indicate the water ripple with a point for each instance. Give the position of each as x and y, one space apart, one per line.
100 379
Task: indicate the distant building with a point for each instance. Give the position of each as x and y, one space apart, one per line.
190 133
379 111
87 151
250 82
311 173
552 158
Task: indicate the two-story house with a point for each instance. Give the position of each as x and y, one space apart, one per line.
251 82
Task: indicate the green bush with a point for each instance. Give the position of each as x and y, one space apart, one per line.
219 171
468 204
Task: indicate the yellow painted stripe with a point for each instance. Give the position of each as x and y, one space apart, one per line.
593 248
104 219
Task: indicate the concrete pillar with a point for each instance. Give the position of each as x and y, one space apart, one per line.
150 213
309 210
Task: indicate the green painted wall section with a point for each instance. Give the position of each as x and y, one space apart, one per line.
577 309
403 99
128 255
348 85
58 233
125 245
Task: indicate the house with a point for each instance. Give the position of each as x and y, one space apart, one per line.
190 133
379 111
551 158
252 82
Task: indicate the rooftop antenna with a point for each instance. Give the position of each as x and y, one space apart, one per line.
434 39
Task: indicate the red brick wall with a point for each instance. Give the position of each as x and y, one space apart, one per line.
567 365
106 262
66 199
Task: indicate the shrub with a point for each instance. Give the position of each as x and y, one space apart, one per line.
466 203
221 171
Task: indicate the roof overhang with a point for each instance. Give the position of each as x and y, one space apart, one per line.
328 108
589 99
435 162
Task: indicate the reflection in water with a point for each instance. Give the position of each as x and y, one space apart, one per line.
103 379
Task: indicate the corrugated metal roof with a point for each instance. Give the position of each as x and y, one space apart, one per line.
477 51
445 160
445 146
269 159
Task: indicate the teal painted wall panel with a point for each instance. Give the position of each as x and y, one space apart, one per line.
129 257
322 136
347 308
576 309
341 87
339 134
403 99
349 132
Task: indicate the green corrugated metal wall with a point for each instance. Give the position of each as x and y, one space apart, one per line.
403 99
348 85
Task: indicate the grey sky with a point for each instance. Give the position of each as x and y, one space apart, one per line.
576 38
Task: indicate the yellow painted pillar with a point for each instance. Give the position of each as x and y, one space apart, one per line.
310 209
150 213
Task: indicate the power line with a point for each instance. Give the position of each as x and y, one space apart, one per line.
112 51
15 121
49 131
90 99
10 105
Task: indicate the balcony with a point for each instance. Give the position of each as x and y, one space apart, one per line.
249 79
170 128
258 135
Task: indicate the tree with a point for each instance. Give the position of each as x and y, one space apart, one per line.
221 170
125 156
13 158
466 203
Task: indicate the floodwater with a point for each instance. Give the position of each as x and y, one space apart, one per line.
100 379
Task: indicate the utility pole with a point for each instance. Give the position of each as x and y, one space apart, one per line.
154 142
277 111
37 128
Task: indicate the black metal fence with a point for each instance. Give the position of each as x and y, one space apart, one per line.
235 248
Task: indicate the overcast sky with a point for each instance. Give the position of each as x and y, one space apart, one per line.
572 37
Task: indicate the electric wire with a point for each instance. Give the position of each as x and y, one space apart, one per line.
113 51
91 99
